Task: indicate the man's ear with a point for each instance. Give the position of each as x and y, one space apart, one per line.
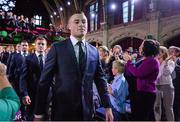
68 26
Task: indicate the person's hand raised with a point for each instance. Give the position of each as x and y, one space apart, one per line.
110 88
126 57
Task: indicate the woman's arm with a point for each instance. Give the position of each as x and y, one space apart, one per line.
168 67
146 68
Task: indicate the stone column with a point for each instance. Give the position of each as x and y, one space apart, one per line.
105 23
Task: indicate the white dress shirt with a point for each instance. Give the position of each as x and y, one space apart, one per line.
43 56
76 47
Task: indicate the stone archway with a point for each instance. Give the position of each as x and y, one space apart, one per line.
95 43
96 39
127 42
170 35
173 41
133 34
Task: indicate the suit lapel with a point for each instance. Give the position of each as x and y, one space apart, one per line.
35 58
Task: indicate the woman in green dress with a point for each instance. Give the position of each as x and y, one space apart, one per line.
9 101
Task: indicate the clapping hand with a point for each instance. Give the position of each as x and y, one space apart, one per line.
109 88
126 57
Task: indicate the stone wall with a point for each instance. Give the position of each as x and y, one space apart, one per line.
161 29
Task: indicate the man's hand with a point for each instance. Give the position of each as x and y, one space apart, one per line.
109 115
110 52
26 100
110 89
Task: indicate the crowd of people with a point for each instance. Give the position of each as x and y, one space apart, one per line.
62 79
8 19
14 24
11 20
152 76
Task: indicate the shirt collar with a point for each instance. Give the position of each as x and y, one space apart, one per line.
117 76
74 40
24 52
37 54
17 51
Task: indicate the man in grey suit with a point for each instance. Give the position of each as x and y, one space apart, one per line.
74 64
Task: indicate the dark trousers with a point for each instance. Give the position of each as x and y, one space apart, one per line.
176 106
29 115
134 104
119 116
29 110
145 104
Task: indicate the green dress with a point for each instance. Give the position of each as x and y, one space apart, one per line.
9 104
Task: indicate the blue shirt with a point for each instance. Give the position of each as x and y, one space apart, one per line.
120 92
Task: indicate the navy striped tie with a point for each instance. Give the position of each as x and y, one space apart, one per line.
82 58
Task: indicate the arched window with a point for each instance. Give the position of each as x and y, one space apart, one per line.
93 16
128 16
132 10
125 11
38 20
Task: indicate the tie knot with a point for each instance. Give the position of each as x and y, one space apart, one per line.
24 53
40 55
79 43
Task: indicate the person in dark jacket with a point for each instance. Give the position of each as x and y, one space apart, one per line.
176 83
74 64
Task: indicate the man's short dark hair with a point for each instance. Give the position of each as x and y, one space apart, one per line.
78 12
150 48
40 37
24 41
